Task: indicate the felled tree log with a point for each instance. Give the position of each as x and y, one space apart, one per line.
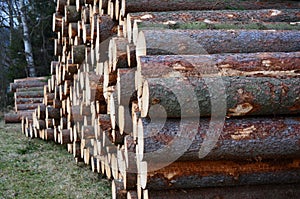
174 5
17 117
180 175
235 192
154 42
28 83
221 19
71 14
267 73
234 139
78 54
52 113
29 106
187 96
29 94
28 100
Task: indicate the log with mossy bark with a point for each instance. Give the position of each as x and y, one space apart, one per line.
155 42
215 139
130 6
221 19
183 175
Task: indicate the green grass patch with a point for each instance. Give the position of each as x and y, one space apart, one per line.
33 168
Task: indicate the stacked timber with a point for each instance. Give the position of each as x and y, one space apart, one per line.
177 98
28 95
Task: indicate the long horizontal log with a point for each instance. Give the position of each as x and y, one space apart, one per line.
28 100
183 175
174 5
30 106
198 67
212 139
155 42
29 94
28 83
234 192
221 19
17 117
219 96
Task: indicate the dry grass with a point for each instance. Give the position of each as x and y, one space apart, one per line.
32 168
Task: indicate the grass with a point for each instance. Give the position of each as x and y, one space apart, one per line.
33 168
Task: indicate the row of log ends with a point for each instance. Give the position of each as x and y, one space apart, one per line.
119 96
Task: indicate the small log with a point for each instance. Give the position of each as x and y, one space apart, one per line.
28 83
118 191
71 14
23 107
28 101
57 22
17 117
29 94
52 113
49 134
78 54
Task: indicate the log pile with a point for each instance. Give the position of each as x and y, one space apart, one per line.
28 95
133 78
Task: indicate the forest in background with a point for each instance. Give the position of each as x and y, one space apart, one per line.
17 16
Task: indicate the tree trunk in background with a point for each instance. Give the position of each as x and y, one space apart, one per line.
27 43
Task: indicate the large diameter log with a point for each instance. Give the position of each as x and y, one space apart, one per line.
17 117
246 65
239 139
152 42
221 19
231 96
235 192
183 175
175 5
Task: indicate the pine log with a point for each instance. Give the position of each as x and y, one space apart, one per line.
52 113
28 83
221 19
29 94
28 100
234 192
220 96
175 5
182 175
17 117
118 191
49 134
71 14
234 139
153 42
73 28
106 28
30 106
57 22
60 5
78 54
